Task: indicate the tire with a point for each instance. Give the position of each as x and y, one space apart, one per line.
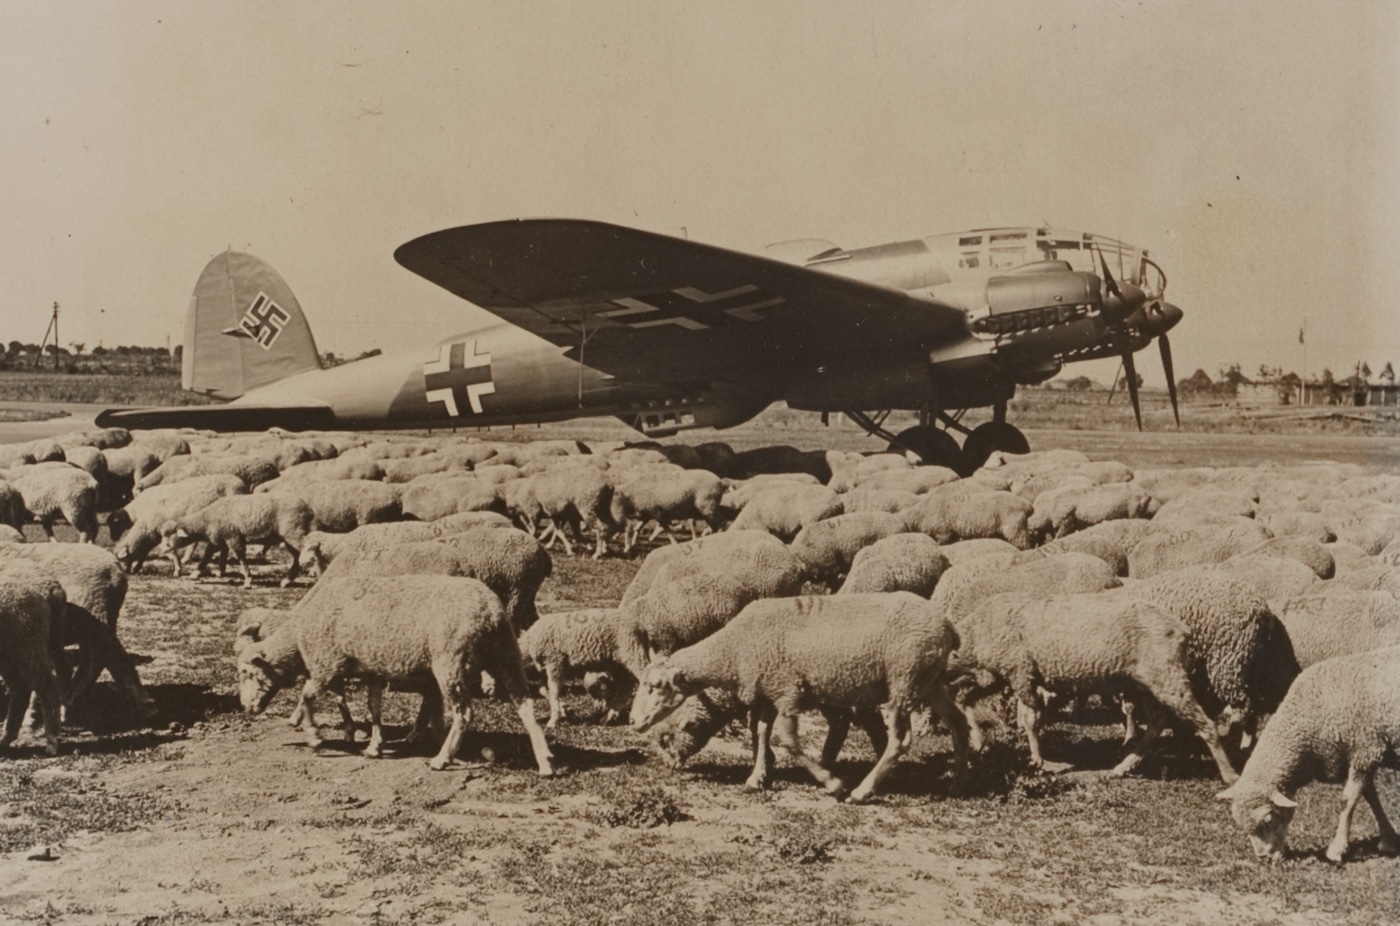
934 447
985 438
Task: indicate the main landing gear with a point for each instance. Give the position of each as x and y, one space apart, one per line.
937 447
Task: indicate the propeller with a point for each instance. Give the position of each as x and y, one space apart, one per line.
1130 375
1131 318
1166 347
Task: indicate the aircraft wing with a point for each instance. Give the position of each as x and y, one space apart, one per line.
642 306
233 417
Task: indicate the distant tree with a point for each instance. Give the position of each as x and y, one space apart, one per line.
1363 369
1198 382
1388 374
15 349
52 349
1079 384
77 346
99 351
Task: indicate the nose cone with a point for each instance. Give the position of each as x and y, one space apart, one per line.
1162 317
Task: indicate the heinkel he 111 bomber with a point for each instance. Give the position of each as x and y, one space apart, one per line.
669 334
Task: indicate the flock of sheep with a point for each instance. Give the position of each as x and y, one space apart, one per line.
1254 606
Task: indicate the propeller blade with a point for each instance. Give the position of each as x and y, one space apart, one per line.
1130 375
1108 279
1166 348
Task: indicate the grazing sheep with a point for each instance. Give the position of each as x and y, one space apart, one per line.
1031 486
783 510
830 653
163 443
1174 549
56 490
1374 577
1205 506
950 516
510 562
967 584
228 524
430 499
135 529
965 551
98 438
387 628
919 480
575 498
1339 723
1082 643
1275 578
699 598
712 553
574 643
329 470
889 500
342 505
1340 623
31 607
1305 550
827 547
1084 542
252 470
1291 522
1063 511
687 729
319 549
664 495
898 563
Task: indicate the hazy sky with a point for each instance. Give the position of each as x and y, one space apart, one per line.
1254 147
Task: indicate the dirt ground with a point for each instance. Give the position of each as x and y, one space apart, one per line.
210 816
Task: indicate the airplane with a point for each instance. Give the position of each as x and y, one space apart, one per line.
670 334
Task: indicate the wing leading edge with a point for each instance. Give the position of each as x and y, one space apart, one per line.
644 306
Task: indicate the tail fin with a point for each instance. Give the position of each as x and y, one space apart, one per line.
244 329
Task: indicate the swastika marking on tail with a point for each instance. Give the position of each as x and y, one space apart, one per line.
459 377
264 321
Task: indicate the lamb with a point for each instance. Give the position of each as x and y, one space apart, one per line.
900 562
394 627
1084 642
1167 550
53 490
949 516
575 642
1340 623
229 523
340 506
832 653
665 495
827 547
252 470
31 605
785 509
1339 722
135 529
1063 511
510 562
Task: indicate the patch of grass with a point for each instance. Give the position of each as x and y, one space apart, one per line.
48 801
647 809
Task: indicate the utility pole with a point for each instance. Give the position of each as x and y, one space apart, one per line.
53 326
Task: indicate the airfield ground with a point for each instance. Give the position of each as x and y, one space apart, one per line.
214 817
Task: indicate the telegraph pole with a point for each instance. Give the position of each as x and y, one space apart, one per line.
53 326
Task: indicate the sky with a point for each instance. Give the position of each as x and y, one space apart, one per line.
1253 147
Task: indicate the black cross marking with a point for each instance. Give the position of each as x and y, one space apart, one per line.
691 308
458 377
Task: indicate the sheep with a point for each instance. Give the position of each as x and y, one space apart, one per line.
832 653
1084 542
1339 722
53 490
510 562
394 627
1294 523
827 547
125 465
252 470
12 511
1371 530
229 523
739 492
1084 642
431 499
1275 578
964 551
918 480
1063 511
1340 623
1173 549
1302 549
967 584
900 562
575 642
333 469
1347 556
135 529
342 505
319 549
700 598
964 515
163 443
890 500
699 718
574 498
1032 485
714 552
665 496
98 438
31 605
1376 577
1241 661
784 510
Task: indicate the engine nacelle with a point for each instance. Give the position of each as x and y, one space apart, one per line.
1038 296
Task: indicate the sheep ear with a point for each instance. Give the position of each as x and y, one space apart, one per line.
1278 800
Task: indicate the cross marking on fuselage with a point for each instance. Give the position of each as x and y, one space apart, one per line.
458 373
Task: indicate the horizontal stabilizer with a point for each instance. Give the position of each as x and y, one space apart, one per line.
224 418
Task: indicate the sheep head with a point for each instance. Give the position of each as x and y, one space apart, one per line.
658 694
258 679
1266 817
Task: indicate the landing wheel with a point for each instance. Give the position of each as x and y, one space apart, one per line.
934 447
994 435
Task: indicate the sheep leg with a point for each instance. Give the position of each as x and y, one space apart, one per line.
374 695
897 726
525 708
552 686
1152 727
785 728
294 569
941 701
1388 841
239 550
1130 729
838 725
305 707
1028 719
601 543
873 725
760 735
452 682
1356 783
656 531
563 536
1176 696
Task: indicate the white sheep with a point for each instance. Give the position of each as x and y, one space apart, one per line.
964 551
31 603
783 510
830 653
890 500
704 554
1340 722
1165 550
664 495
57 490
1339 623
827 547
341 505
898 563
1305 550
1063 511
1275 578
387 628
967 584
570 644
252 470
230 523
574 499
429 499
919 480
1081 643
966 514
135 529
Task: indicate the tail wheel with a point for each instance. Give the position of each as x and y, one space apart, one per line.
934 447
985 438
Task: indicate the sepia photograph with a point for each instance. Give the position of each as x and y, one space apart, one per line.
711 464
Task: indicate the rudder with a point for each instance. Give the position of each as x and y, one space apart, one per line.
244 329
